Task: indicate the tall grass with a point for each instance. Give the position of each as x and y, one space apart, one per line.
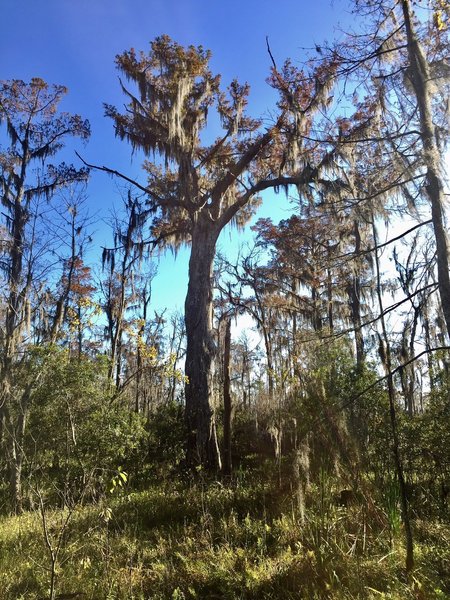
213 541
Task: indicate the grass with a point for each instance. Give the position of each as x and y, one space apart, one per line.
211 541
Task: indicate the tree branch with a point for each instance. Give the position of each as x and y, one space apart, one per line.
146 190
379 246
391 373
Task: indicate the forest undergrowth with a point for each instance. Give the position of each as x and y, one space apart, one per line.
246 539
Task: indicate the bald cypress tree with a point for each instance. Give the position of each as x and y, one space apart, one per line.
195 189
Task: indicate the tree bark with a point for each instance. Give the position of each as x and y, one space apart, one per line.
202 448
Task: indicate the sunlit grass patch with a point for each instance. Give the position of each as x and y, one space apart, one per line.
212 541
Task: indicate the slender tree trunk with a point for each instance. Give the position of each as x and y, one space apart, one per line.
330 301
387 359
420 80
202 448
411 405
174 377
118 365
354 293
137 392
14 322
317 325
355 308
139 363
227 408
62 303
15 464
17 434
79 335
295 344
269 356
428 345
116 327
330 291
264 321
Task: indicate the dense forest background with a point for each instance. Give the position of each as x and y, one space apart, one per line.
154 455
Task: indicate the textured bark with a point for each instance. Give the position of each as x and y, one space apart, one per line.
202 448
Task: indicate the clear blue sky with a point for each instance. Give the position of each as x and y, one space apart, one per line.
74 42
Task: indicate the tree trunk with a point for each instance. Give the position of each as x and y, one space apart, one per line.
396 450
227 408
16 435
411 404
13 325
145 299
202 448
316 313
265 324
14 464
428 344
137 391
330 291
354 293
420 79
269 355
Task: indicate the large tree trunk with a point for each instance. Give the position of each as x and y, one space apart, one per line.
421 82
202 448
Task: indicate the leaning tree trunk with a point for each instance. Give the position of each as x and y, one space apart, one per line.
421 82
202 448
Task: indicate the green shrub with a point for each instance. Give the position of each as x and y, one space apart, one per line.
77 435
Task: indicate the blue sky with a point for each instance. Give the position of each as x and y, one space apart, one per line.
74 42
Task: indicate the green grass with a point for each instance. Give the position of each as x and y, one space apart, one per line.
185 542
